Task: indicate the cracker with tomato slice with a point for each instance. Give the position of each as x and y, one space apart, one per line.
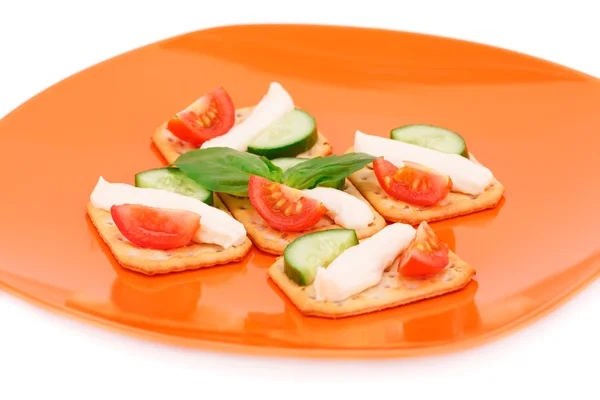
171 147
274 241
392 291
453 205
150 261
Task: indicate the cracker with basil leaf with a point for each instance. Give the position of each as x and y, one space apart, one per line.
279 203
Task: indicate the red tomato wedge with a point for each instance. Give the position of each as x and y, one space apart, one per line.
210 116
155 228
413 183
426 255
283 208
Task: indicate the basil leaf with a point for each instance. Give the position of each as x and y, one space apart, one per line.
276 173
314 171
224 170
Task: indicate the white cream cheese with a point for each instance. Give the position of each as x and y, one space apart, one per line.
345 209
361 267
467 177
216 226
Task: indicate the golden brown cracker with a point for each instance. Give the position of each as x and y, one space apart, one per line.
273 241
151 262
172 147
454 205
392 290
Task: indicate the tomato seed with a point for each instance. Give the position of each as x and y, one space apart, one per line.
279 204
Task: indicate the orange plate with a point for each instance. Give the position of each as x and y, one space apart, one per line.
534 124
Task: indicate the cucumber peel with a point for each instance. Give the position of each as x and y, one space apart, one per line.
303 257
173 180
294 133
432 137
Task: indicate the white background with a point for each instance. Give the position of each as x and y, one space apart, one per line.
43 42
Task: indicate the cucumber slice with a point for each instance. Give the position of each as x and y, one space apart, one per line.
306 254
294 133
432 137
173 180
288 162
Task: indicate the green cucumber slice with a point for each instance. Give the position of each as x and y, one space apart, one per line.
432 137
288 162
173 180
294 133
306 254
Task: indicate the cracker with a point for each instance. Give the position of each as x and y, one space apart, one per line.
172 147
273 241
151 262
454 205
392 290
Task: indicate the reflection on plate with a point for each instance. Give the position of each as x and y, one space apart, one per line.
437 321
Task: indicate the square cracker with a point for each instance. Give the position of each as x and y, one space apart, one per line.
454 205
273 241
392 290
151 262
172 147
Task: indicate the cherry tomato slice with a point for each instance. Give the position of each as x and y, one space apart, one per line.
282 207
155 228
412 183
426 255
210 116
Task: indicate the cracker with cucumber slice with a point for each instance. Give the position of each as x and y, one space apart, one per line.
454 205
273 241
152 262
172 147
391 291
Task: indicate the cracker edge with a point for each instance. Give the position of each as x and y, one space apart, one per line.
204 259
489 199
314 308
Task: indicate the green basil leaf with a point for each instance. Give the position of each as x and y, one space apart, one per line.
275 173
314 171
224 170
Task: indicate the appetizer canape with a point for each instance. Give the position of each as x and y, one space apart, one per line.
332 274
424 173
155 231
273 128
275 204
